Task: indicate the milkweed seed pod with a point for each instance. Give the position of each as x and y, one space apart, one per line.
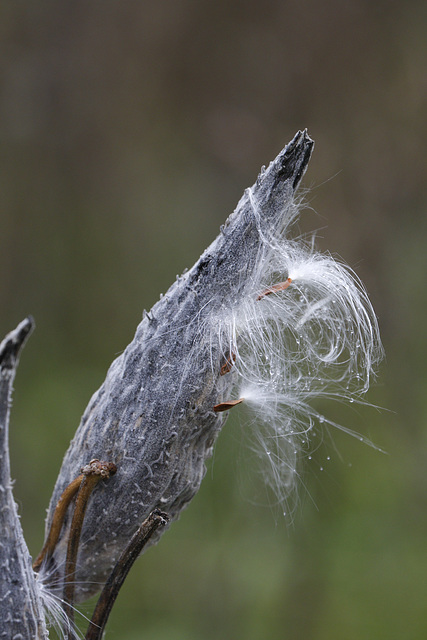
259 318
21 610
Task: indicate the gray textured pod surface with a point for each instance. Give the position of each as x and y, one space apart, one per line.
21 612
153 416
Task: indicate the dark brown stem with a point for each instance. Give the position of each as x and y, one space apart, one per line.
118 575
92 474
57 522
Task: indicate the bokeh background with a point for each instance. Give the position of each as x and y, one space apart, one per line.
128 132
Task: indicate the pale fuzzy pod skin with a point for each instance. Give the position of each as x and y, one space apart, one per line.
153 416
21 610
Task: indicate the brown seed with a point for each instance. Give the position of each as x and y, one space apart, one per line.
226 367
281 286
225 406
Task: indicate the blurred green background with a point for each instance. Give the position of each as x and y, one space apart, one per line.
129 131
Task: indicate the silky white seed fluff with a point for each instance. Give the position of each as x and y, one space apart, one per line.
56 618
316 337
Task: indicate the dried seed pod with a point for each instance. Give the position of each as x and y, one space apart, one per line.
153 416
160 408
21 610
